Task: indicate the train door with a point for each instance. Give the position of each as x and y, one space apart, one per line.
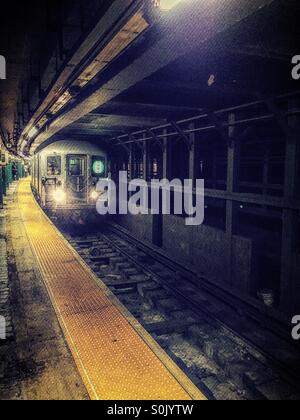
76 179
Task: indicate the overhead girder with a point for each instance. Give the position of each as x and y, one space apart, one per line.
195 89
98 120
105 24
208 20
221 121
150 110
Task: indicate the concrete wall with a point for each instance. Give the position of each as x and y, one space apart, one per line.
206 248
202 247
296 275
140 226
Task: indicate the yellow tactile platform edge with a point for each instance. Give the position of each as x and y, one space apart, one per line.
117 358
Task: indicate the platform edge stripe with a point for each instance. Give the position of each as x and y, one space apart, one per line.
73 349
169 364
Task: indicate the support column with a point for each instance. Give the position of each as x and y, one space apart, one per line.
1 189
146 160
158 220
232 178
4 180
192 175
165 156
290 290
131 162
192 153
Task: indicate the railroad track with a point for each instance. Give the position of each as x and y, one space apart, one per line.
227 354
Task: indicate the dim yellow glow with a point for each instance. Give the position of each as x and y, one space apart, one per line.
94 195
169 4
33 132
60 196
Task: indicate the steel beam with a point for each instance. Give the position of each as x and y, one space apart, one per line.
156 139
105 24
110 120
144 109
182 134
289 299
208 20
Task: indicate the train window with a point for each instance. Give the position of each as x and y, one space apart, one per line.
53 165
76 166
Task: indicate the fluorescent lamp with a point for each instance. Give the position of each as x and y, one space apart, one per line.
169 4
135 26
33 132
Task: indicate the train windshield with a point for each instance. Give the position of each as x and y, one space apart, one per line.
76 166
53 165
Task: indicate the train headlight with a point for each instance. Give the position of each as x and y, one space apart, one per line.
94 195
60 196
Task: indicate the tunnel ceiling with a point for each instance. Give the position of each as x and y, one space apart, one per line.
231 68
16 40
26 28
29 31
238 63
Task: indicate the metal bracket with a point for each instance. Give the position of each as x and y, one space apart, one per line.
278 114
120 143
218 124
136 142
182 134
156 139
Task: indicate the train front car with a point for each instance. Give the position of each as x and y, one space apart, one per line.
64 179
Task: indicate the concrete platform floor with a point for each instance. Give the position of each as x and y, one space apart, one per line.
35 364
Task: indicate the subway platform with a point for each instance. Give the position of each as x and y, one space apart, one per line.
71 338
35 360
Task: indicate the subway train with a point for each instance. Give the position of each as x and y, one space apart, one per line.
64 178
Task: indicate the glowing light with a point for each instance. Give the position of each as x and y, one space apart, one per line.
59 196
169 4
98 167
211 80
94 195
33 132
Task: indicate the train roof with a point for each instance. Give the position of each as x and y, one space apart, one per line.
65 147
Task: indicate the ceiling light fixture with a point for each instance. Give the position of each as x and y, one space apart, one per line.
135 26
33 132
167 4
